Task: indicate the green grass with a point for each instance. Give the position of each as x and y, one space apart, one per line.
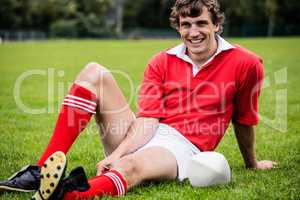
23 136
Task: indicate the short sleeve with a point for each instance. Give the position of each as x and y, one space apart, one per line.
150 99
248 91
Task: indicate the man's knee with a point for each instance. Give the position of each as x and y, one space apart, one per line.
94 74
130 168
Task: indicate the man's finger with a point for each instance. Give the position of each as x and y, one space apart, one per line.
98 164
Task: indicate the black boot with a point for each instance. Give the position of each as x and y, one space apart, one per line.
51 176
76 181
53 184
25 180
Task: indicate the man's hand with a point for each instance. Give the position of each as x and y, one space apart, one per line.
106 163
140 133
246 139
265 164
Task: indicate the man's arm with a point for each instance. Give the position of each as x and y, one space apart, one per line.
246 139
139 134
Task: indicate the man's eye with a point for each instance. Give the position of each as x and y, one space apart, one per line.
185 25
201 24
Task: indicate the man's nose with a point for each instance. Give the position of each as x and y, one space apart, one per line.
194 31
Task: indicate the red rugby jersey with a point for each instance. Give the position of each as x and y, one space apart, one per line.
201 105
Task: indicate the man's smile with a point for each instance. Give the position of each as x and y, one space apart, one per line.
196 41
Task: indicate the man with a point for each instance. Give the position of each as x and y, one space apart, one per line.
188 97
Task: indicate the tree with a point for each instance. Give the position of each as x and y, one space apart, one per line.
100 18
271 7
119 16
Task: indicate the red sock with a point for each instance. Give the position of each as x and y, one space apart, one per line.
110 183
76 112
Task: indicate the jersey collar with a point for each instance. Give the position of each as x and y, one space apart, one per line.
180 52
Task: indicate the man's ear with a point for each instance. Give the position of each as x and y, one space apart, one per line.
217 27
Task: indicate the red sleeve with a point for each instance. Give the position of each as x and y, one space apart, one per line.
246 99
150 100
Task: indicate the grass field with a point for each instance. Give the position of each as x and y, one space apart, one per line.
23 136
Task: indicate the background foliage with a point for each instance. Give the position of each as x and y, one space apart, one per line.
99 18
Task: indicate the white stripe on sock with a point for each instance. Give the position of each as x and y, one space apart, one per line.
121 183
81 99
79 103
117 185
80 107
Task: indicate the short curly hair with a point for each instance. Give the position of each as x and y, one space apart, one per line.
194 8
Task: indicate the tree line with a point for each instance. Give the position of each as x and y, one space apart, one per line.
104 18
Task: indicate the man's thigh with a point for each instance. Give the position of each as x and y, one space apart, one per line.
153 163
114 115
170 139
113 128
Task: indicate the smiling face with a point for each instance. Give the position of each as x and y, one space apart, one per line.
199 35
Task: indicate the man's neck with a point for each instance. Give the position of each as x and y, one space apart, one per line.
200 59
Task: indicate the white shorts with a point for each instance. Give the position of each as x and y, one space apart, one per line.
170 139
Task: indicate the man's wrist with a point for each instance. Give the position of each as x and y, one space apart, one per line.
118 152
